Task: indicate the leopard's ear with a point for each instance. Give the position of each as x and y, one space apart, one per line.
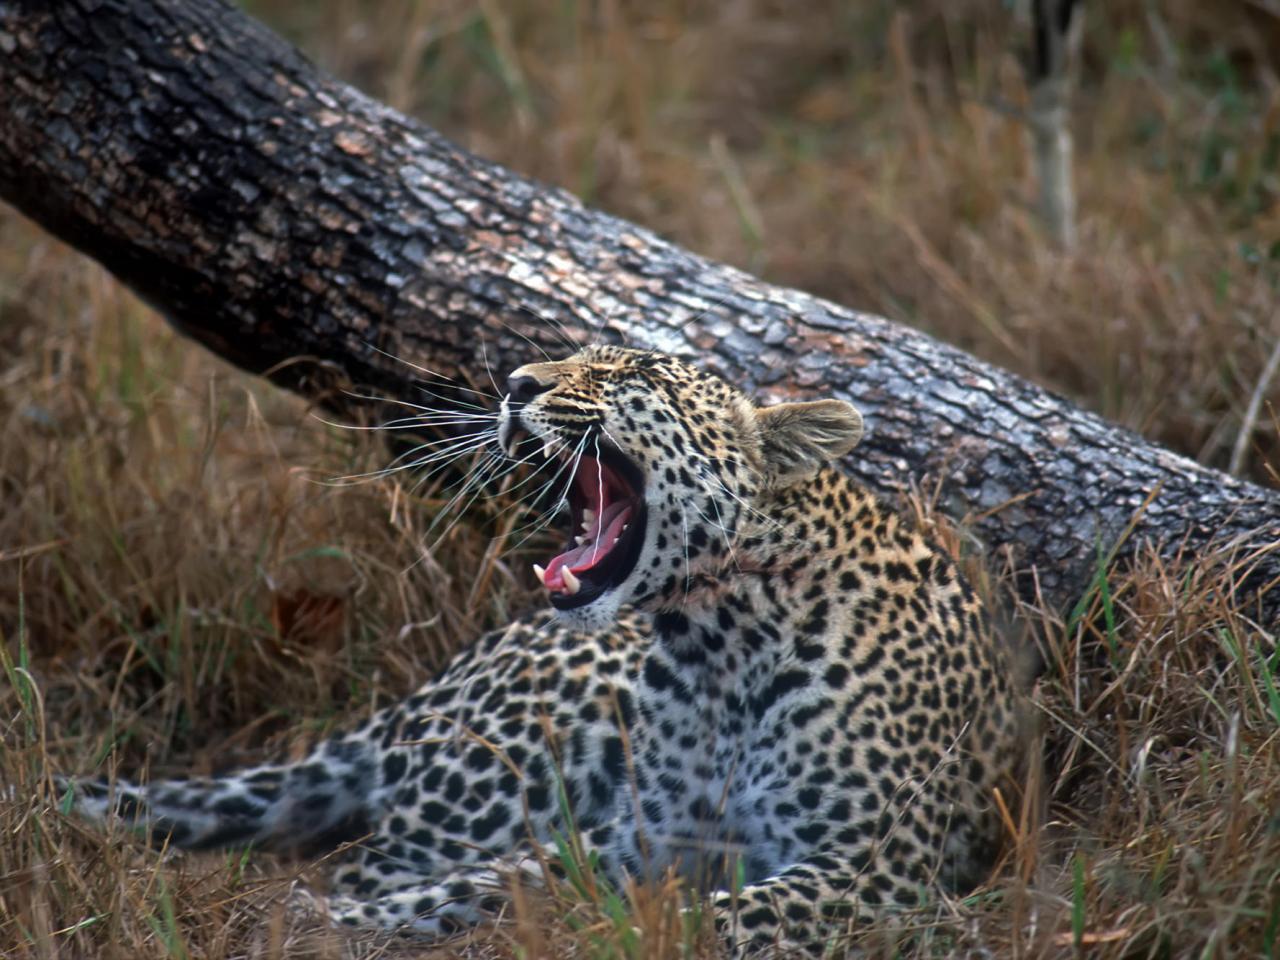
798 438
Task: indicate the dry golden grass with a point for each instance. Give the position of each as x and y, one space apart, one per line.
179 586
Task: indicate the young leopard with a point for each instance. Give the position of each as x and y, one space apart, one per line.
803 712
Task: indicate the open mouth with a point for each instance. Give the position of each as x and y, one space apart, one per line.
607 517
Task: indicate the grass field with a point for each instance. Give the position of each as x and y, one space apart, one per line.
180 583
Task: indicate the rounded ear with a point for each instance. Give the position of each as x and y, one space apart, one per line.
798 438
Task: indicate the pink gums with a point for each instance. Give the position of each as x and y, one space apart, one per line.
605 493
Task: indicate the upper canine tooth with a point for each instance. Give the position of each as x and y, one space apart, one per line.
588 516
547 450
540 573
571 583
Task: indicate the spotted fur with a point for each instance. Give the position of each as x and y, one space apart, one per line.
790 689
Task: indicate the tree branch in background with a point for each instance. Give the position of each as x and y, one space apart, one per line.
1056 29
298 228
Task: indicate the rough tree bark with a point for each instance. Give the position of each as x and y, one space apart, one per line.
295 226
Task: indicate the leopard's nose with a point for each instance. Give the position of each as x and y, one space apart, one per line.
524 389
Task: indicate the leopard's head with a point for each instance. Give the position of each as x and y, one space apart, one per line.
662 468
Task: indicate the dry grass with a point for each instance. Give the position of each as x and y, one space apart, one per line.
178 586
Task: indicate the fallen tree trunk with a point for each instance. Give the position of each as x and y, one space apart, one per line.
298 228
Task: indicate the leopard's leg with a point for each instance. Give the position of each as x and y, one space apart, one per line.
817 906
399 899
437 908
811 909
506 711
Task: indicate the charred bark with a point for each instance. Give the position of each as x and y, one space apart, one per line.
302 230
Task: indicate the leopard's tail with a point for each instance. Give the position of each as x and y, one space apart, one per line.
324 796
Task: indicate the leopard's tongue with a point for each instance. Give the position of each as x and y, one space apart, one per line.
599 541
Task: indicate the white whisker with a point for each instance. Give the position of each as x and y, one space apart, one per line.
427 371
461 447
527 339
688 564
544 518
557 327
473 483
484 355
724 532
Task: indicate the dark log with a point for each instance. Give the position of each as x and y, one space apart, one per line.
298 228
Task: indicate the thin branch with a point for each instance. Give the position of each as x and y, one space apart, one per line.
1250 421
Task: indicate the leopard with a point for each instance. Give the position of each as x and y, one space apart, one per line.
751 674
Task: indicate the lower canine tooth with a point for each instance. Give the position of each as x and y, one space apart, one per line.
540 573
571 583
580 541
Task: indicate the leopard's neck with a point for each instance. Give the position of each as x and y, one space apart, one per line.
772 596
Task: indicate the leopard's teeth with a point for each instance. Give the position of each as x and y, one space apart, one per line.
571 583
511 447
540 573
588 518
580 541
547 450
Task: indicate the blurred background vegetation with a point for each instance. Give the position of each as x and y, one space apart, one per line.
179 583
868 152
